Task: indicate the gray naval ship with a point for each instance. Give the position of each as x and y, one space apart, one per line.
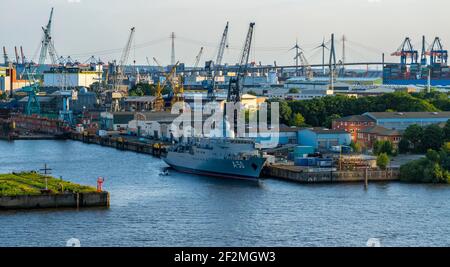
220 157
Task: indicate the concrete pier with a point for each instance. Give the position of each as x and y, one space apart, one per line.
122 143
294 173
66 200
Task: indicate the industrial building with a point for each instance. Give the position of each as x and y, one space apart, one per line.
323 139
402 120
72 77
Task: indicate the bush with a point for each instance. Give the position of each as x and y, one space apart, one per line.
434 168
383 161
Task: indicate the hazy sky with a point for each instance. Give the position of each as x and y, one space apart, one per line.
90 27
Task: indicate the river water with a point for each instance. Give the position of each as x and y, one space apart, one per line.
187 210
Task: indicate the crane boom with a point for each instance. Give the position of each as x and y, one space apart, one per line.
5 56
222 46
235 87
159 64
198 57
22 55
47 42
126 51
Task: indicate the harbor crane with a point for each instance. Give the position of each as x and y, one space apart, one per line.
236 83
5 56
22 56
405 51
211 67
159 64
120 72
307 70
222 46
198 57
47 46
33 106
16 52
437 53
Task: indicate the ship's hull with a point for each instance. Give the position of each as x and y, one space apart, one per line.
226 168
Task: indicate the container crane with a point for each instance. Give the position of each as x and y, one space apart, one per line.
159 101
437 53
405 51
236 83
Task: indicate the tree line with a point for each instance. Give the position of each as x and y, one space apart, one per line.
320 112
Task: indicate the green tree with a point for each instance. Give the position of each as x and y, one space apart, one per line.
383 161
285 112
356 147
447 130
298 120
387 147
403 146
414 134
294 91
433 137
329 121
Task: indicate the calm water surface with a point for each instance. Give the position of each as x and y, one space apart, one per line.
186 210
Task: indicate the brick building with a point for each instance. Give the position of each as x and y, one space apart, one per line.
353 124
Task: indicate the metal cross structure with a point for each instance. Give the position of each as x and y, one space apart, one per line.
46 171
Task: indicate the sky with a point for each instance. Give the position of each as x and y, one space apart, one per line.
83 28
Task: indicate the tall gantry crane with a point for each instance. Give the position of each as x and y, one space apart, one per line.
405 51
47 46
236 83
437 53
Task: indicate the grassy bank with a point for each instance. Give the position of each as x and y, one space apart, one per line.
30 183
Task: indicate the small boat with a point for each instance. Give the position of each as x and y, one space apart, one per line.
165 172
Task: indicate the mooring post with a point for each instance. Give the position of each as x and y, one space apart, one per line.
366 179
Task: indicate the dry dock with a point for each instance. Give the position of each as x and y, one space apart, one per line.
297 174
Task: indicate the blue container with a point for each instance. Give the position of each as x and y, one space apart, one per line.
304 150
306 162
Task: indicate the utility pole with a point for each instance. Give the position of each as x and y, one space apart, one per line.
172 57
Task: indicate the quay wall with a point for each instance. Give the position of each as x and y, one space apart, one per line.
67 200
290 173
119 143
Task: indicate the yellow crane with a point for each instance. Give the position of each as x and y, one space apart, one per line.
159 101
